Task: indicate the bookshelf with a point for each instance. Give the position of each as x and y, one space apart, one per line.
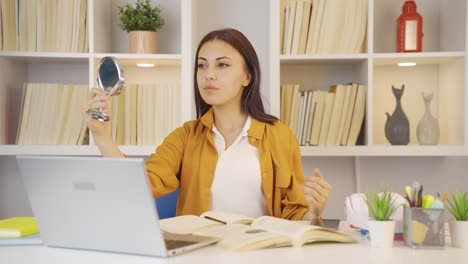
441 67
105 38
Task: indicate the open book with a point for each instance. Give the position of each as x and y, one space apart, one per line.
243 233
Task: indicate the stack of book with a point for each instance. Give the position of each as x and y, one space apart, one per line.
17 231
50 114
144 114
323 26
324 118
44 25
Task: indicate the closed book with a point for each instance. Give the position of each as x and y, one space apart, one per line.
358 115
336 113
327 112
18 227
34 239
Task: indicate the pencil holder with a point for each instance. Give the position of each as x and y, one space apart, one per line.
423 227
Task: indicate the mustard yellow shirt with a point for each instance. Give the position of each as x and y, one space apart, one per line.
187 159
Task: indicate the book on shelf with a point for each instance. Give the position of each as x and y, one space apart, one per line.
287 92
63 102
24 114
9 24
337 26
82 27
22 33
297 27
243 233
40 26
1 28
359 28
332 27
31 21
120 126
357 116
63 99
305 26
327 112
336 113
290 15
310 108
318 117
301 114
133 113
145 113
314 27
283 10
43 25
349 113
344 110
293 115
18 227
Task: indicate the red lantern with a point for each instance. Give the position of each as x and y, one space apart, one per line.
409 32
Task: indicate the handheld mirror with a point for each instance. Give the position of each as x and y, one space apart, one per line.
111 79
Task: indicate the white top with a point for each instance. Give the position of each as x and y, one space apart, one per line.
237 183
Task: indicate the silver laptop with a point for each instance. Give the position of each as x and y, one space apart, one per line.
99 204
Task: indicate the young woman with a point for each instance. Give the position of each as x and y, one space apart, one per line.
234 158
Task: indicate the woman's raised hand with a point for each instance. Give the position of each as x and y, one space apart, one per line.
98 99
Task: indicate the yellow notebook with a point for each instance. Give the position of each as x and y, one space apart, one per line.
18 227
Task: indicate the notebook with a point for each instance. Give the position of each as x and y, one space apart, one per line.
97 203
34 239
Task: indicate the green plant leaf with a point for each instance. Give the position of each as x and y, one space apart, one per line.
381 207
142 16
458 205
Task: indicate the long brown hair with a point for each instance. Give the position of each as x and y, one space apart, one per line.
251 101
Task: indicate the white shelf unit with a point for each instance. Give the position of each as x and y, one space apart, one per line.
442 64
174 60
441 67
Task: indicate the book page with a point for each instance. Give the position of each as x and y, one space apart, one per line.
186 224
242 237
300 232
222 231
227 218
293 229
325 235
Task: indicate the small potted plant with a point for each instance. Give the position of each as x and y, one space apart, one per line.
458 206
141 21
381 227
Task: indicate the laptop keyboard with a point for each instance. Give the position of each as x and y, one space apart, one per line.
172 244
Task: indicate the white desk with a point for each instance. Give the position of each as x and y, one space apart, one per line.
360 253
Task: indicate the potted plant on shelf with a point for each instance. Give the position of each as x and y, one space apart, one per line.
381 227
142 21
458 206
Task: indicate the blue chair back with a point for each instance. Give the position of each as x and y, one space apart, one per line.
166 204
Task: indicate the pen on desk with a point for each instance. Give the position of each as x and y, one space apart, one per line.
216 220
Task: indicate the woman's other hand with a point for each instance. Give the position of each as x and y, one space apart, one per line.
316 192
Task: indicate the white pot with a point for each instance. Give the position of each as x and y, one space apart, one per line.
381 233
459 233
